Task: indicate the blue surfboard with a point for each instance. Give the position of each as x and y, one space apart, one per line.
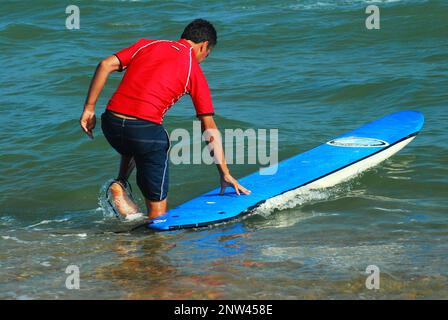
326 165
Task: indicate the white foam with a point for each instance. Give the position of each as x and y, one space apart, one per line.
135 217
80 235
47 222
14 239
391 210
291 199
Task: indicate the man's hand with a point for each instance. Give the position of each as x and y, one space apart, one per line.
87 122
228 181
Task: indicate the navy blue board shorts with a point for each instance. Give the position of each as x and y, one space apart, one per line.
148 143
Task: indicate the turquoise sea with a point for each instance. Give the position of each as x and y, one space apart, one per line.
308 68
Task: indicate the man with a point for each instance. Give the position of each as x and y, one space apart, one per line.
158 73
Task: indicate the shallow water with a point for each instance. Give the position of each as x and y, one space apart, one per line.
309 68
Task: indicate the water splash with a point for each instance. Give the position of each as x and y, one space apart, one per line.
302 196
105 207
108 211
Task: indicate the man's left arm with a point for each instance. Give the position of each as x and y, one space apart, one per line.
214 143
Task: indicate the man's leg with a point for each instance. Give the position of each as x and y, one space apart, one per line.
156 208
153 175
127 165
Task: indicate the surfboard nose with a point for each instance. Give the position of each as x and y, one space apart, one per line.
411 118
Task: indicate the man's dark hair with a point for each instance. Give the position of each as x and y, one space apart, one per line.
200 30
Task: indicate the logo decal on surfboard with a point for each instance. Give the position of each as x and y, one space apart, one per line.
358 142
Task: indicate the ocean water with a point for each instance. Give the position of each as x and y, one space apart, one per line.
308 68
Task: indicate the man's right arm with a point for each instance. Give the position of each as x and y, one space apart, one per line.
102 72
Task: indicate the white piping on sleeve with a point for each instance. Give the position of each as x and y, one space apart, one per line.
182 44
189 72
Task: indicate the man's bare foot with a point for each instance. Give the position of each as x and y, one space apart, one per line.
122 202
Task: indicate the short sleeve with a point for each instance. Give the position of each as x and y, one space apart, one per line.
125 55
200 92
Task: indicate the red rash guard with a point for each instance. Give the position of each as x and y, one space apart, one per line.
158 73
